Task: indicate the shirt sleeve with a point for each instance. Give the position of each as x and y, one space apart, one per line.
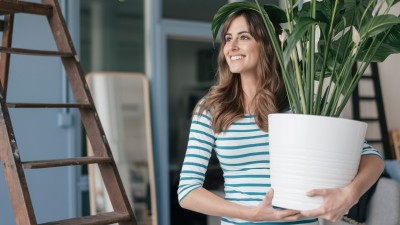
198 153
369 150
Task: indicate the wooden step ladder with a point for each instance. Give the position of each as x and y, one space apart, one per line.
377 99
9 153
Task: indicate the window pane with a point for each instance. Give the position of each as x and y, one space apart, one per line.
112 35
202 10
191 71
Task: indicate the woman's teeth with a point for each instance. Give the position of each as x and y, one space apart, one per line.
237 57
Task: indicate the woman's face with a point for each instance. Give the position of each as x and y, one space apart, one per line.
241 50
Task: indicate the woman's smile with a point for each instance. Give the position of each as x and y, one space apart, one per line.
237 57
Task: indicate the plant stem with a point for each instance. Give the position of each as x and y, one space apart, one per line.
339 77
366 10
360 73
310 75
295 62
279 54
324 64
290 27
344 73
328 89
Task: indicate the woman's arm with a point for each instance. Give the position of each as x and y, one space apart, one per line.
193 196
338 201
371 167
204 201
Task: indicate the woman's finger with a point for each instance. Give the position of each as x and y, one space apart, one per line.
269 196
285 213
317 192
293 217
313 213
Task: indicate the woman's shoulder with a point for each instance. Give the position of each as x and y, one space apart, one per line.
202 108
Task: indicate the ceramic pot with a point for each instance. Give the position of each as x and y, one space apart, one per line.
311 152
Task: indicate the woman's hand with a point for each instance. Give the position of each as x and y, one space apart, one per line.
337 202
265 212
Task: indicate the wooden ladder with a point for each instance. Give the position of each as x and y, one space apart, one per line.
377 99
9 154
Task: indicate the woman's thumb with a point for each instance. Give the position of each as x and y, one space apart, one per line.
268 197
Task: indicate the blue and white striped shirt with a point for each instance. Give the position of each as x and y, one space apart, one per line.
243 153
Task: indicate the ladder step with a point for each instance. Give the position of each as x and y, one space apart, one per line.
23 51
7 7
99 219
374 141
369 98
369 119
367 77
47 105
64 162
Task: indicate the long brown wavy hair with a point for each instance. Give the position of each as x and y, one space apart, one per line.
225 99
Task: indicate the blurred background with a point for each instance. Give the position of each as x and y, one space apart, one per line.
167 40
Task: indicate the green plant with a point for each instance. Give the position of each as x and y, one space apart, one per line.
320 45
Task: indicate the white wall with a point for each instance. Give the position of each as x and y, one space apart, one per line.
390 80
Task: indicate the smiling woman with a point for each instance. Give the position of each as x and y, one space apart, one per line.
231 120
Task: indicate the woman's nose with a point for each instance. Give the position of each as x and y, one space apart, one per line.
234 44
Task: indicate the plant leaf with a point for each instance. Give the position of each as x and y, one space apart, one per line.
223 13
393 37
378 25
353 11
298 32
326 8
330 70
346 83
275 14
390 45
323 11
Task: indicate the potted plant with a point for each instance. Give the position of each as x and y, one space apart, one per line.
320 45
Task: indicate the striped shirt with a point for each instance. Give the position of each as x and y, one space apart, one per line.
243 153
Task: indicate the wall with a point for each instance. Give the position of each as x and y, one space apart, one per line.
390 80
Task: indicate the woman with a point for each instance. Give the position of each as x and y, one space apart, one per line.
232 120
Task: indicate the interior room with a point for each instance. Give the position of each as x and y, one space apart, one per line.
146 64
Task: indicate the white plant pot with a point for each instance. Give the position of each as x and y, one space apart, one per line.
311 152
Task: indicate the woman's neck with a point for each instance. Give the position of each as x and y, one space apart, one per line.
249 87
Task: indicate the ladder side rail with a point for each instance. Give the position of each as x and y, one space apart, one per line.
101 147
355 99
11 161
1 25
90 118
6 57
381 112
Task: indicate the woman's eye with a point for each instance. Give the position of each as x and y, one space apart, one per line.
244 37
227 39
